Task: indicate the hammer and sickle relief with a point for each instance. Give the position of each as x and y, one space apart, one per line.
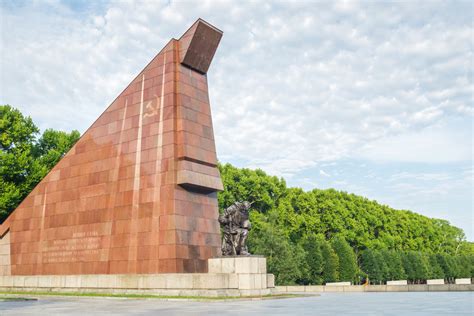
152 107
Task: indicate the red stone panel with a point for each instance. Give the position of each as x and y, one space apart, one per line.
136 194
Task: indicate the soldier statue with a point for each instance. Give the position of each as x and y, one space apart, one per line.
235 226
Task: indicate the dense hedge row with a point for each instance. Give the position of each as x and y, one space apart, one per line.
327 235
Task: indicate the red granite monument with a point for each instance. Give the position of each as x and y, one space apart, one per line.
137 193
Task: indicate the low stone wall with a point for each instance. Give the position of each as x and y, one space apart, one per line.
193 284
435 281
5 258
338 284
463 281
376 288
397 282
240 276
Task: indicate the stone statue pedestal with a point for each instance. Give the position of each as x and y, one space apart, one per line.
227 276
250 271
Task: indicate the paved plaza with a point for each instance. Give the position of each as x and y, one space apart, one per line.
423 303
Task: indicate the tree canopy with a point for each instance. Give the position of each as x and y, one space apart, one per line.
342 236
24 158
363 223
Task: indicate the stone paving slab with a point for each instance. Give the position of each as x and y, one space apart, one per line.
416 303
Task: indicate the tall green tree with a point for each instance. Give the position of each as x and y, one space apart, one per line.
393 260
17 137
251 185
436 271
464 266
375 264
383 266
330 271
416 267
284 259
314 260
371 266
24 159
53 145
347 259
471 264
449 265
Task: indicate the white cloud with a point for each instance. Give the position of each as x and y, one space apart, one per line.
323 173
436 144
421 176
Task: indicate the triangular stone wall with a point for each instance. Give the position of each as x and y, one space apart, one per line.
137 193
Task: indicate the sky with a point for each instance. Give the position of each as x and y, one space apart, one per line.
373 98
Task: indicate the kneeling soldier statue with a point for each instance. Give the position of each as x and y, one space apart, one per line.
235 225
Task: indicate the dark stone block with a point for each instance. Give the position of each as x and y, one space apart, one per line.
203 44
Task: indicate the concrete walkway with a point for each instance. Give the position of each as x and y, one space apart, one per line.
423 303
